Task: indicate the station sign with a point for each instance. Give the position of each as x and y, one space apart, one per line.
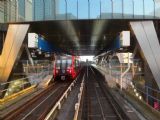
32 40
125 38
125 57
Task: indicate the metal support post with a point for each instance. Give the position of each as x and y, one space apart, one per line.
77 9
154 8
143 10
133 8
43 10
100 9
122 9
112 8
88 9
66 10
55 9
124 73
147 95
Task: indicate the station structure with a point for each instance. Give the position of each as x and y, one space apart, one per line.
121 82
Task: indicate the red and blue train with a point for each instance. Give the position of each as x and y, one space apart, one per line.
66 67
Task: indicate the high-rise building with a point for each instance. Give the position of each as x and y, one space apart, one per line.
38 9
1 11
8 10
44 9
25 10
21 10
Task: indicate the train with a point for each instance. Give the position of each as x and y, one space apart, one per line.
66 67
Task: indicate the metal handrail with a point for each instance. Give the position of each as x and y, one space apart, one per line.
58 103
77 105
139 91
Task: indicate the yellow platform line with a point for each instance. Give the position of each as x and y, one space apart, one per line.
15 95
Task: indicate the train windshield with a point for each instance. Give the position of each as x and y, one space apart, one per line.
58 64
63 63
69 63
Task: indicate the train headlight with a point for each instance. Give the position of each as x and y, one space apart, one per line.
69 71
57 71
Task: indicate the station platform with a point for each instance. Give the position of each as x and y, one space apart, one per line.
143 110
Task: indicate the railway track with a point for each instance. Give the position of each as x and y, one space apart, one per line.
97 103
38 107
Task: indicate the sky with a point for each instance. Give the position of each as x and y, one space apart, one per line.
84 58
106 7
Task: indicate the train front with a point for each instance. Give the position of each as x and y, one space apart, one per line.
65 68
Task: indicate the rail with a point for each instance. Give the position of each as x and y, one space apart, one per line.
59 102
77 105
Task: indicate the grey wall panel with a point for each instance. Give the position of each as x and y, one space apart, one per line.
13 42
153 40
144 39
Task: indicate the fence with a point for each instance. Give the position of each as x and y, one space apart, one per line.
150 95
33 76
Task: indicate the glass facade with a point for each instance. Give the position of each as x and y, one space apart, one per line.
39 10
15 10
43 9
8 11
25 10
21 9
1 11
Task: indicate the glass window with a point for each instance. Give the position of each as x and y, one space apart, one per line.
69 63
83 9
63 64
58 64
72 9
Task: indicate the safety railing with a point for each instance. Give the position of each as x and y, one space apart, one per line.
146 93
59 102
17 85
32 75
39 65
77 105
83 9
